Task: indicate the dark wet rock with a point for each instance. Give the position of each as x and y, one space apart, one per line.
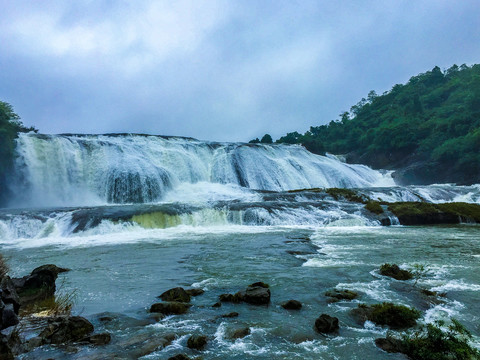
393 271
145 344
300 338
116 321
98 339
170 308
217 304
234 298
389 345
240 333
195 292
179 357
299 252
197 342
341 294
10 343
177 294
8 293
64 329
326 324
392 315
257 294
292 305
230 315
39 285
8 316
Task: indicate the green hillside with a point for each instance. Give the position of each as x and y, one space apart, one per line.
10 126
429 128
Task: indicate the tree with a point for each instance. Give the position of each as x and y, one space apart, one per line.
266 139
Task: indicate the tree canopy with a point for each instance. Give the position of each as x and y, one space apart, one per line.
434 118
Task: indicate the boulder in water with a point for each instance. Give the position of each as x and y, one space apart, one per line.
395 316
240 333
341 294
170 308
197 342
65 329
292 305
257 294
177 294
393 271
326 324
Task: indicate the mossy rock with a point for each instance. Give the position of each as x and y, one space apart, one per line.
340 294
421 213
392 315
393 271
374 207
347 194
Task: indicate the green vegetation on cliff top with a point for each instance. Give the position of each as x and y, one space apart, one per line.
433 121
10 126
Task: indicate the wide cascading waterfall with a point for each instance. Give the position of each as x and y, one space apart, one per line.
54 170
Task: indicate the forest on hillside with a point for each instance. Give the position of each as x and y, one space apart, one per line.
429 128
10 126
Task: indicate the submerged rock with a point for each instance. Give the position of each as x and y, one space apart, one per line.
240 333
197 342
292 305
179 357
230 315
98 339
393 271
64 329
326 324
177 294
341 294
234 298
170 308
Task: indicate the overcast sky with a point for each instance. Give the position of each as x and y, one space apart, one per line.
218 70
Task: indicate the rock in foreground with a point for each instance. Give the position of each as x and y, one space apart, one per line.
326 324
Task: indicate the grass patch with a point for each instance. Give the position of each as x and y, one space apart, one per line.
417 213
374 207
347 194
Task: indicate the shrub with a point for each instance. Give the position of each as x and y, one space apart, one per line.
431 342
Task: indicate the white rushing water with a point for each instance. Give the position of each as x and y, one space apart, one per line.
57 170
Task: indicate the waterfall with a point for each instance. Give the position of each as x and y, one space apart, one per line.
61 170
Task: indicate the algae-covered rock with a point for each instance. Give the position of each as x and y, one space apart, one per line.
341 294
392 315
393 271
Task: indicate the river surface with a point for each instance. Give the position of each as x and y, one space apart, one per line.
123 273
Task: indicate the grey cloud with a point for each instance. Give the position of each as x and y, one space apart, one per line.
220 70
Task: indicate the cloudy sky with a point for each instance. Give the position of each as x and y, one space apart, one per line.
218 70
